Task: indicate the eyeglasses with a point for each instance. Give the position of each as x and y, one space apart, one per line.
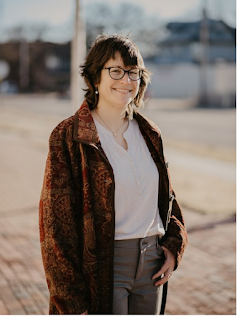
117 73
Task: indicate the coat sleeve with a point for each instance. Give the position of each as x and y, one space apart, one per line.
59 236
175 239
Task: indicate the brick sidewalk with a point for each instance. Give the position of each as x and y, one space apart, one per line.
203 284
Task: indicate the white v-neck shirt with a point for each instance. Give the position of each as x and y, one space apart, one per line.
136 184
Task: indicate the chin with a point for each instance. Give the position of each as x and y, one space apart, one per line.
123 103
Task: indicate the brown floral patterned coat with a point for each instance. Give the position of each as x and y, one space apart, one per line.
77 215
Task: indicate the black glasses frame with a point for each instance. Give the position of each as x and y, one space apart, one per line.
124 72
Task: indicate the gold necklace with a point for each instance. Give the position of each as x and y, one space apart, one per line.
114 133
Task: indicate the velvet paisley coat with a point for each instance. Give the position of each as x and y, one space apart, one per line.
77 214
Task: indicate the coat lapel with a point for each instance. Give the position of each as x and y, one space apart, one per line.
151 130
84 126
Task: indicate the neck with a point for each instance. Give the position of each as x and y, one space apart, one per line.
113 117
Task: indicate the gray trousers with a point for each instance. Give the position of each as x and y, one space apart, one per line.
135 262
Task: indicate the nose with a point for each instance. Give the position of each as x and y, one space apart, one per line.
125 78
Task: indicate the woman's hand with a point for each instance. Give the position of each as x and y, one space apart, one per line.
85 313
166 269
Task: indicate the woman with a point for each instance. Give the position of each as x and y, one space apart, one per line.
111 229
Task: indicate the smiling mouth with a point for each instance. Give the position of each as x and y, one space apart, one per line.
122 90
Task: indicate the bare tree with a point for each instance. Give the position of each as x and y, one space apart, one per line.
27 32
125 18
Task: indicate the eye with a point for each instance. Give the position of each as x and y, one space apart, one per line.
116 71
134 71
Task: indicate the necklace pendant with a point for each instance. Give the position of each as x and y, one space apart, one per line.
114 134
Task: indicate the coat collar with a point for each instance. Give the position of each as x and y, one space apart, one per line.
85 129
84 126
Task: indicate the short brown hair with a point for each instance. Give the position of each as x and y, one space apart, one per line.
104 48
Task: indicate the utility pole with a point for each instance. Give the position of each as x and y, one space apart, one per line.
24 65
78 52
204 42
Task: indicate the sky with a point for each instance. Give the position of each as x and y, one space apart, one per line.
59 13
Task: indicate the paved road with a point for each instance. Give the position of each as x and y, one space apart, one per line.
203 284
213 127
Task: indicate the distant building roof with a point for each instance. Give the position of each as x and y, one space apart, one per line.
182 32
184 43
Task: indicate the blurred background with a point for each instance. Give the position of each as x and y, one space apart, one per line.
190 48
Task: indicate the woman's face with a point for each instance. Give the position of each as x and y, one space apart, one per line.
116 93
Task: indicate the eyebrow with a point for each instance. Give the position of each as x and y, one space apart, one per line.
119 66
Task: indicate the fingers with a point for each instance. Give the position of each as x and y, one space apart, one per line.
167 264
166 269
161 271
164 279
